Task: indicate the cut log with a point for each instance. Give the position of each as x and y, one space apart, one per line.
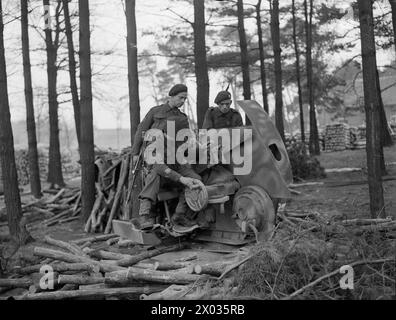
188 258
149 254
96 206
15 283
128 293
357 222
126 243
68 220
70 199
110 242
58 217
165 266
56 197
77 212
107 255
79 279
77 203
92 286
213 269
133 275
173 292
60 267
120 187
72 248
59 206
98 238
69 287
88 225
63 256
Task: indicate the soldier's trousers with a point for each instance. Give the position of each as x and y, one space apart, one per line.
155 179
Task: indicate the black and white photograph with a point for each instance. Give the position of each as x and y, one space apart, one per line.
205 156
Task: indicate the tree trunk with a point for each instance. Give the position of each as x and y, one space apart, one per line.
275 33
133 80
386 137
201 66
244 55
87 137
393 6
372 105
262 57
34 171
54 164
314 147
72 70
7 157
300 100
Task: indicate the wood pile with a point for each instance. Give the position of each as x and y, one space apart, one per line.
113 193
360 135
337 137
70 168
92 268
55 207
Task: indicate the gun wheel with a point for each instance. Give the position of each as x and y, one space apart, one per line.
253 206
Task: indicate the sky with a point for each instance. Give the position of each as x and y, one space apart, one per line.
110 84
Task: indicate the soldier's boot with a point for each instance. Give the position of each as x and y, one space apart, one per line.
146 218
179 217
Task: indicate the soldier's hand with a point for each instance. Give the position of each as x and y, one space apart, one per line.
190 182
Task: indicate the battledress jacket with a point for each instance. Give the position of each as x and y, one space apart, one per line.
157 118
215 119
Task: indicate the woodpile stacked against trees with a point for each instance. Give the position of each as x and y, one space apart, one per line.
113 192
69 167
337 137
60 206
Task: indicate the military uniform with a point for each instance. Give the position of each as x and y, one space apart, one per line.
157 118
216 119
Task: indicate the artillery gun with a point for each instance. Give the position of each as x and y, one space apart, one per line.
232 206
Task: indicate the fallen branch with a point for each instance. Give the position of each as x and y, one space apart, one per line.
56 197
148 254
72 248
335 272
93 239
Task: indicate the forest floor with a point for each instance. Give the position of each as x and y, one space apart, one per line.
344 195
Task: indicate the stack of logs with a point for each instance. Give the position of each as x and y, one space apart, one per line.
113 193
61 206
82 271
337 137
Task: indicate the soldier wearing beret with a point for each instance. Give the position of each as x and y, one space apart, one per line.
222 116
184 175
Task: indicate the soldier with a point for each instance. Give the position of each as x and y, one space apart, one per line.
157 118
222 116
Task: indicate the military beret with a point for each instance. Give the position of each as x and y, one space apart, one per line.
221 96
177 89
